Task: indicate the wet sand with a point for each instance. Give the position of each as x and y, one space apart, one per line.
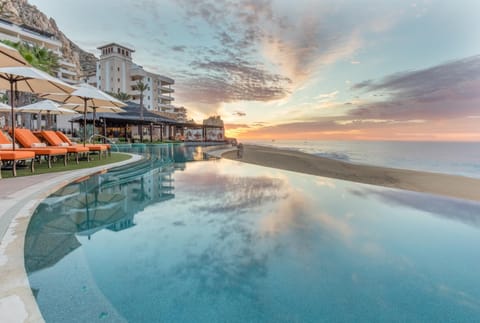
419 181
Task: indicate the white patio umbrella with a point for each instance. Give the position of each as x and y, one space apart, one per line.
9 57
4 107
47 107
90 97
31 80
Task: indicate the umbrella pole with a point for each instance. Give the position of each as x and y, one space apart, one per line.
94 118
84 122
13 115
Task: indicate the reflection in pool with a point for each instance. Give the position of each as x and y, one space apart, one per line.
166 240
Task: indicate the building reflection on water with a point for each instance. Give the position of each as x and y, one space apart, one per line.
107 201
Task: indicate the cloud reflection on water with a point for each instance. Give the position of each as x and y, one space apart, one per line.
459 210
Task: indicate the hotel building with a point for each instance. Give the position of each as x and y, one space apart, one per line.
116 72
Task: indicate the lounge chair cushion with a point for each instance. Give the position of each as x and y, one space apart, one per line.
16 155
64 138
54 140
26 138
4 138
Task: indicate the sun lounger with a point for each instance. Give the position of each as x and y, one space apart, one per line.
100 148
12 157
24 137
54 141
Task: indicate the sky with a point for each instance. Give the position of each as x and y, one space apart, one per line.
305 70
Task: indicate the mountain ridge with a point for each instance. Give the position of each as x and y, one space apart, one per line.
21 12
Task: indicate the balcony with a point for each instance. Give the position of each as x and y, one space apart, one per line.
166 107
65 63
164 89
166 98
27 34
165 81
67 79
67 72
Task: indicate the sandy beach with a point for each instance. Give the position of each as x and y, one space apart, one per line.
434 183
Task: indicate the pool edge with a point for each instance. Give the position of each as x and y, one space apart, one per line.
17 303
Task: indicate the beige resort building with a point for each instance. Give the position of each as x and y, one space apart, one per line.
116 72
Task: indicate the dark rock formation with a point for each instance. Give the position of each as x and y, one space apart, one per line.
21 12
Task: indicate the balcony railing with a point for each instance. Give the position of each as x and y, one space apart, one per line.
166 89
166 98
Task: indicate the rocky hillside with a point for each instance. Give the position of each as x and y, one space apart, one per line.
21 12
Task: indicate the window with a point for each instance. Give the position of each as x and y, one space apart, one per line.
99 77
118 80
118 50
118 90
118 69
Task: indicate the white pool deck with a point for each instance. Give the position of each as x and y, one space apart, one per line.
19 197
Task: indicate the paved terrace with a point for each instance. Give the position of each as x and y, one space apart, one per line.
19 197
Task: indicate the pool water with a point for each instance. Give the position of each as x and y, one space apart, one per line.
171 239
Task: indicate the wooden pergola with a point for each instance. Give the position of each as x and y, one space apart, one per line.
119 124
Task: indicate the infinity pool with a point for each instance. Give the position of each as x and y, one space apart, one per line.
170 239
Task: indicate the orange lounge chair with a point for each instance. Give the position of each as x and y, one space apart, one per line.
31 143
101 148
54 141
13 157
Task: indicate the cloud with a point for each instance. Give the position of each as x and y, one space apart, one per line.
351 128
232 126
216 81
264 51
443 91
421 83
326 96
179 48
239 113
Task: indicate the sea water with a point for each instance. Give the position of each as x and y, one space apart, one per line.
459 158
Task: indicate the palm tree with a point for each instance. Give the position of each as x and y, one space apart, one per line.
45 60
142 87
39 57
122 96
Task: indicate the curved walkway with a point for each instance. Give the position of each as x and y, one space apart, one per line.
19 197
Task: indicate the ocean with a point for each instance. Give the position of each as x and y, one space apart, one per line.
459 158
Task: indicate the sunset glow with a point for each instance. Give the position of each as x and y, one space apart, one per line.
351 70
